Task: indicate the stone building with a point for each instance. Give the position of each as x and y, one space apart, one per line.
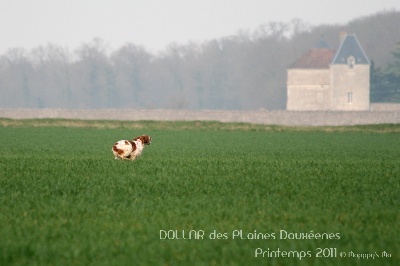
325 79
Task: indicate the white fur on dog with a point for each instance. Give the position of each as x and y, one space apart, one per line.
130 150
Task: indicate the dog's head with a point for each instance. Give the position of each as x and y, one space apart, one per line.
146 140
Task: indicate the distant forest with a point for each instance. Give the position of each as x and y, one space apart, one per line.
246 71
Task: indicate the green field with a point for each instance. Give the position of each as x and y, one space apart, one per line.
64 200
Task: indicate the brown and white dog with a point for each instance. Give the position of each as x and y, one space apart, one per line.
130 150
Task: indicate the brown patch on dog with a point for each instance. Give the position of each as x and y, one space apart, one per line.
133 146
119 151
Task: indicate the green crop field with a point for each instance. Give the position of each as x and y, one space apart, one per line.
203 193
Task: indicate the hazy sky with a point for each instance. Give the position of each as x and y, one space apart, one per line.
155 24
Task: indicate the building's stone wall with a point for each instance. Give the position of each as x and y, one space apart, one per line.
308 76
290 118
385 106
354 81
308 89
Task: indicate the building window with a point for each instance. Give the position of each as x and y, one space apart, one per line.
349 97
351 61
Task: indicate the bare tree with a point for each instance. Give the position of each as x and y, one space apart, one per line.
245 71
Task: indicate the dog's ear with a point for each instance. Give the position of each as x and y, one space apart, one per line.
148 139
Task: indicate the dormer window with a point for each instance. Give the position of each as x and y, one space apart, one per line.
351 61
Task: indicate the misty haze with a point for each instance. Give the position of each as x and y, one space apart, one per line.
246 71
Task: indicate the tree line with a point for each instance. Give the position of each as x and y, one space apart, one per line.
385 81
245 71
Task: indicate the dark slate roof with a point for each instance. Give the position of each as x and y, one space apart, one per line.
350 47
315 58
322 44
